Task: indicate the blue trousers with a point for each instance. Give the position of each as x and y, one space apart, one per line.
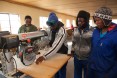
111 73
78 66
62 72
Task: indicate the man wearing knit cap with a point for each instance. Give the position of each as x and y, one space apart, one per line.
81 43
57 42
103 57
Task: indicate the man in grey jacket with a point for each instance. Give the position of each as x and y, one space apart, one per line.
81 43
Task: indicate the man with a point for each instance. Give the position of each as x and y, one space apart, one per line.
57 42
81 43
103 58
28 27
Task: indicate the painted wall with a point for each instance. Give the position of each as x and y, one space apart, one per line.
6 7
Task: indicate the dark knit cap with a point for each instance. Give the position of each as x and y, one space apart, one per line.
105 14
83 14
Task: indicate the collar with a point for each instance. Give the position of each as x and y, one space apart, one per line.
111 27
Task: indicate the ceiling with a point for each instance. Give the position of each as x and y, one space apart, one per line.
69 7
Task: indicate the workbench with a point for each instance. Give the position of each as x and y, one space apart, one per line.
46 69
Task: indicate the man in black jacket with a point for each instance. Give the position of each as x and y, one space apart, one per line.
57 42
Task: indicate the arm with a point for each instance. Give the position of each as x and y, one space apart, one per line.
19 31
59 40
34 28
73 43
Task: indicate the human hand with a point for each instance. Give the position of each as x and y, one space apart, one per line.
72 54
40 59
39 29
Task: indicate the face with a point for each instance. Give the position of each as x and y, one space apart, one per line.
53 27
81 22
99 22
28 21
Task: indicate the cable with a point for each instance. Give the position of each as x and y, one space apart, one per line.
5 54
16 74
15 64
23 58
10 58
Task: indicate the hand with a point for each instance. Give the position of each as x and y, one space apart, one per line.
39 29
40 59
72 54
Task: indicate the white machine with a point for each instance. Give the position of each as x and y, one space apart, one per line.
29 47
25 45
30 35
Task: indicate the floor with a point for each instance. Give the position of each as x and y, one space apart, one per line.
70 65
70 69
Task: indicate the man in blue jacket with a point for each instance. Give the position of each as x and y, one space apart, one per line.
103 58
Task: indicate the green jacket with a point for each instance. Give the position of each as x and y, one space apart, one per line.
24 28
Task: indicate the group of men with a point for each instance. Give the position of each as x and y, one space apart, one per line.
94 49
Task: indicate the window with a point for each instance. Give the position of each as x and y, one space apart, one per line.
68 23
73 23
9 22
114 20
43 21
90 22
60 19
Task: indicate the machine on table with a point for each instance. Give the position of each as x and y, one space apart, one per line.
24 45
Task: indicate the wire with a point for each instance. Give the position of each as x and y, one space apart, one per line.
5 54
17 76
15 64
11 57
23 58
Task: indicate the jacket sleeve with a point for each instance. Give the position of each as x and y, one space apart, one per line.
59 41
35 28
73 41
19 31
115 44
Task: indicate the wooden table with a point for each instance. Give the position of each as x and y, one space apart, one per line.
46 69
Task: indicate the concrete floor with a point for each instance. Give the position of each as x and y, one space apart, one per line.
70 65
70 69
